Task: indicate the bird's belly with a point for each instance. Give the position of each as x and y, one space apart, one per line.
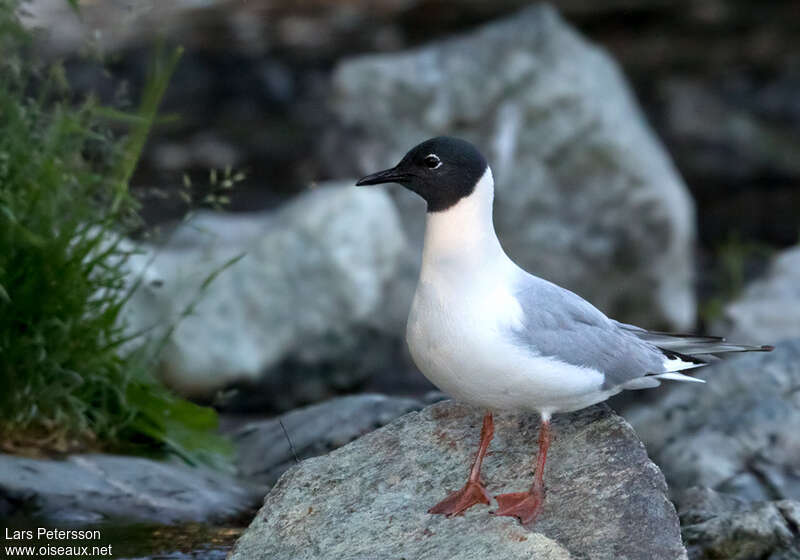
471 360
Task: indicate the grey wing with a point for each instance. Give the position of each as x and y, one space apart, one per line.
561 324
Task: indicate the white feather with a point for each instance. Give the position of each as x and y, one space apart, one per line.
676 364
678 377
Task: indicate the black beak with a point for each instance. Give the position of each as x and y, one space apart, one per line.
387 176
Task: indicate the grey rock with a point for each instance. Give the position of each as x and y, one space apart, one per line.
769 309
369 499
266 449
736 434
307 295
717 525
584 189
95 488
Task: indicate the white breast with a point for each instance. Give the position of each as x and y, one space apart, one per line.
460 340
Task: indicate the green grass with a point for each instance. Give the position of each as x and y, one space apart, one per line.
71 377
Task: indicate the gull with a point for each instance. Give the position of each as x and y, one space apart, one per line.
488 333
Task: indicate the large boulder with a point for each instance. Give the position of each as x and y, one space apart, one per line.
309 294
89 489
584 189
769 309
738 433
368 499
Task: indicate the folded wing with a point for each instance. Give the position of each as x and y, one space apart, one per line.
561 324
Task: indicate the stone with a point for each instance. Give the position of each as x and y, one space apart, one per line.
717 525
584 188
369 499
266 449
736 434
769 309
88 489
307 296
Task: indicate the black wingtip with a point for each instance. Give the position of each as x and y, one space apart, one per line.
767 348
671 354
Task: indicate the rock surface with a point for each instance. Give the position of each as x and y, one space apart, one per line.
308 294
738 433
264 450
95 488
584 189
769 309
717 525
368 499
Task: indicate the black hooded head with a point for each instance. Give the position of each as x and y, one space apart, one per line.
441 170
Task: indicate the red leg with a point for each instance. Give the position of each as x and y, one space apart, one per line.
473 491
526 506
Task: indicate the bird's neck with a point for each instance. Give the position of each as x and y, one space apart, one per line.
465 231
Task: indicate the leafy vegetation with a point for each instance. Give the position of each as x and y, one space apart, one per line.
71 375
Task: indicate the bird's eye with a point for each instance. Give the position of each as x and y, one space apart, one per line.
432 161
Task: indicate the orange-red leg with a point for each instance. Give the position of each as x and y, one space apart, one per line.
473 491
526 506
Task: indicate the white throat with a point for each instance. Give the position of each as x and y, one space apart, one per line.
465 231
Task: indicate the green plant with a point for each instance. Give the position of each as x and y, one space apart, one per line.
71 375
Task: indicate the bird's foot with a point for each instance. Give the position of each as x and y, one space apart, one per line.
525 506
460 501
